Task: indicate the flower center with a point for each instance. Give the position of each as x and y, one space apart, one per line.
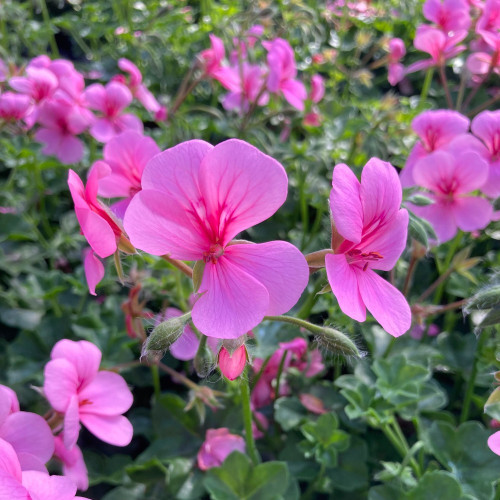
215 251
357 256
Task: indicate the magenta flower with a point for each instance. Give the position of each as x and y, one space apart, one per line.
74 466
368 217
212 65
248 90
218 445
111 101
449 15
39 83
77 389
451 179
28 433
317 88
195 199
138 89
438 130
59 124
232 365
94 269
486 126
19 485
397 51
438 45
490 18
283 72
494 442
126 155
14 107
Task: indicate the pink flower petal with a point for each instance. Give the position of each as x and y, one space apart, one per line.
28 433
9 463
491 187
73 464
295 93
98 391
386 303
61 383
471 172
115 430
472 213
94 270
186 346
11 489
95 96
431 170
72 423
277 265
494 442
344 283
241 187
486 126
70 150
232 365
232 301
102 130
442 218
345 203
380 192
44 487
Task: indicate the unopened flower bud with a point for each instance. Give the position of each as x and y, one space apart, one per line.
233 344
232 365
336 342
204 360
164 335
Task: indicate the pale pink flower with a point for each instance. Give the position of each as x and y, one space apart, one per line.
16 484
126 155
94 269
212 60
195 199
248 90
218 445
317 88
111 101
59 123
77 389
494 442
449 15
397 51
438 45
368 217
138 89
28 433
438 130
283 72
14 107
451 180
73 464
232 365
486 126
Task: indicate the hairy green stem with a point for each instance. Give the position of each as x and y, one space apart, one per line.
247 421
427 85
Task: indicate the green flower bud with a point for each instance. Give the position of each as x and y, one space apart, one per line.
336 342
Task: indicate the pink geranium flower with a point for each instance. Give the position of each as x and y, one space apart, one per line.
486 126
111 101
317 88
372 230
248 90
14 107
73 464
449 15
94 270
438 130
16 484
39 83
218 445
451 179
59 123
126 155
494 442
77 389
139 90
195 199
28 433
397 51
283 72
212 59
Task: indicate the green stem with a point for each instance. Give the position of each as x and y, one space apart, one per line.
427 85
472 379
444 82
48 25
306 308
278 376
446 264
247 421
295 321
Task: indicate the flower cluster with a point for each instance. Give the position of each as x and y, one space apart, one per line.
78 392
51 96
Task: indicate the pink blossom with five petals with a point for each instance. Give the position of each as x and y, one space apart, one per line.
218 445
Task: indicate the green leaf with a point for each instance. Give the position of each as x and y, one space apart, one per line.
135 492
438 484
104 469
289 412
151 471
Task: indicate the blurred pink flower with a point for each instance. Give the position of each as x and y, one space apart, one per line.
59 124
218 445
317 88
489 21
111 101
368 217
14 107
494 442
39 83
77 389
28 433
18 485
449 15
195 199
417 331
313 404
486 126
283 72
73 464
126 155
232 365
94 269
451 179
312 119
138 89
212 65
397 51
